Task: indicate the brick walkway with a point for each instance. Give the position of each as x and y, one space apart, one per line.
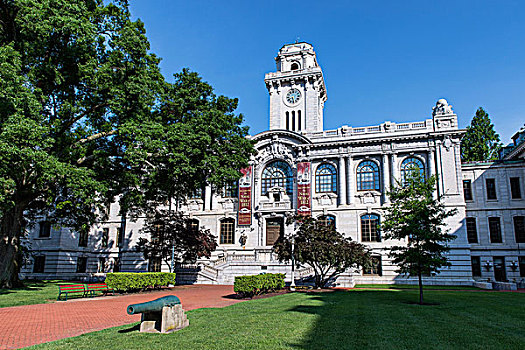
27 325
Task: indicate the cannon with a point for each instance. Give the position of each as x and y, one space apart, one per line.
154 305
162 315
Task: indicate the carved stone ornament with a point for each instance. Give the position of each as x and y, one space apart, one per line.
442 108
447 143
368 197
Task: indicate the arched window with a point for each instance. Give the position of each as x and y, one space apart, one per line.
287 120
293 120
369 228
367 176
295 66
325 178
298 120
277 174
326 220
227 231
410 165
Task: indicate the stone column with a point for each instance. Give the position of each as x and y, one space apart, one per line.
351 179
394 175
432 167
342 181
207 198
386 178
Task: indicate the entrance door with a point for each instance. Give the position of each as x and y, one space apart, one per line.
499 269
274 229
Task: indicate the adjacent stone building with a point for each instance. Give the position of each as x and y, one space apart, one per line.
341 176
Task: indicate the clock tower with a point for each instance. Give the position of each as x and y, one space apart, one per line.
297 90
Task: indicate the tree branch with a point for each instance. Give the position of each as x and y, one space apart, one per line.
96 137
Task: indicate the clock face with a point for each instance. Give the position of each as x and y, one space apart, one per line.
293 96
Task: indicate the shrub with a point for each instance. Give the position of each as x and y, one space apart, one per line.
129 281
258 284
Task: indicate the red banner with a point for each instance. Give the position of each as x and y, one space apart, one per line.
244 216
304 199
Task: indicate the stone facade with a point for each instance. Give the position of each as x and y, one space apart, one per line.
351 169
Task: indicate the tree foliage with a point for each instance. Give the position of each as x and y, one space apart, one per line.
481 142
324 249
417 219
172 235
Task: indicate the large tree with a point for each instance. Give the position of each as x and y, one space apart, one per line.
481 142
77 83
417 219
319 245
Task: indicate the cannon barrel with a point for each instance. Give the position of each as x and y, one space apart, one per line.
154 305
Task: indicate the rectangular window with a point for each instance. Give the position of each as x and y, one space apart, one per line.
491 188
105 237
154 265
375 268
101 265
120 236
522 266
197 194
81 264
519 229
230 190
44 229
495 230
472 231
116 265
476 266
83 238
467 190
369 228
515 190
39 264
227 228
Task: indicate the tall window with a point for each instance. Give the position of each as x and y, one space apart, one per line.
154 265
277 174
120 236
193 224
116 264
409 166
522 266
83 236
476 266
287 120
519 229
326 220
515 190
44 229
472 231
375 268
81 264
101 268
299 121
325 178
227 231
230 190
491 188
367 176
495 230
39 264
369 228
105 237
467 190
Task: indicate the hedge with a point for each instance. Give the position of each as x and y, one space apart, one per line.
129 281
248 286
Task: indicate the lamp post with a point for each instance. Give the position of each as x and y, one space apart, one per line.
292 285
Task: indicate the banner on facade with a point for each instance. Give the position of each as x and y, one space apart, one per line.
304 199
245 197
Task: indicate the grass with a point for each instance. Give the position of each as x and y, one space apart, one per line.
414 286
377 319
34 292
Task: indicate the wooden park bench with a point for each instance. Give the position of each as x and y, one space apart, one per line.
71 289
92 288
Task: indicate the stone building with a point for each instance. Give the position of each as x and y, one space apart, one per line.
341 176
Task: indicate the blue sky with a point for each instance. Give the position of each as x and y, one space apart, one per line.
382 60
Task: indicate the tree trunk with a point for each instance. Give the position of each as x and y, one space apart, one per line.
11 259
420 287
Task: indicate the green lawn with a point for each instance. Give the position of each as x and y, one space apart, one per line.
414 286
380 319
34 292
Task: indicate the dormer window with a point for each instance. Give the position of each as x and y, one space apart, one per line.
295 66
